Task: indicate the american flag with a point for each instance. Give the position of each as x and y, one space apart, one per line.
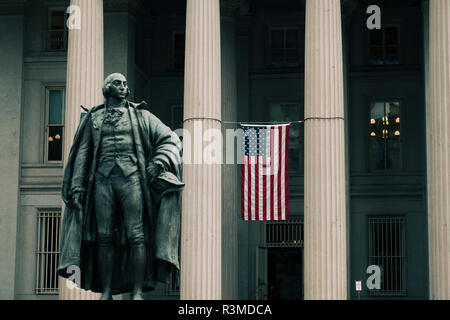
264 172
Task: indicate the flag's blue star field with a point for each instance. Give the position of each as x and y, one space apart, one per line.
254 142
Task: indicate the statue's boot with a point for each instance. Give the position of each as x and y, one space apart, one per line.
139 262
105 266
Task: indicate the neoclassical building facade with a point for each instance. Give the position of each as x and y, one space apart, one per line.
368 164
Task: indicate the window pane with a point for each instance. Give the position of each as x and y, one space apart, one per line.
384 135
376 55
277 57
291 38
295 163
55 109
55 142
277 40
179 41
292 54
377 153
393 159
391 55
376 37
292 58
393 110
377 111
391 35
179 60
57 20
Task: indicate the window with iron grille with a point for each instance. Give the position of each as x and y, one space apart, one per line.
387 249
57 32
384 46
54 126
284 47
48 229
284 233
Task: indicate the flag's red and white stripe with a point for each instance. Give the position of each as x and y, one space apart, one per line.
264 179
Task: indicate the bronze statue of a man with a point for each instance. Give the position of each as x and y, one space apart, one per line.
122 189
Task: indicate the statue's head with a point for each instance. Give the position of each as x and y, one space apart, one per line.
116 86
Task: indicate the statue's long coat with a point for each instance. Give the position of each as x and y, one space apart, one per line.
78 258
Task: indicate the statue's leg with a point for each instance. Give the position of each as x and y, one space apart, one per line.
132 203
104 209
105 264
139 260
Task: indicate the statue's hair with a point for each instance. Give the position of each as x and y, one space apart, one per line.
107 83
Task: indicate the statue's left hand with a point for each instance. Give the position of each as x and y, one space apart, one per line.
154 169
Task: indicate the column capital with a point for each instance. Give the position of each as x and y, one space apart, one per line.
13 7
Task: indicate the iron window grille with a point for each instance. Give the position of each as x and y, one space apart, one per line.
47 253
284 233
387 249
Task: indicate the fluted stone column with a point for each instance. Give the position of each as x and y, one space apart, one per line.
83 87
325 198
201 254
12 17
438 149
230 190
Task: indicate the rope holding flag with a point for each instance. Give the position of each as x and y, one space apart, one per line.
264 172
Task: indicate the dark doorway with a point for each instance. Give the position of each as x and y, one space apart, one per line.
285 273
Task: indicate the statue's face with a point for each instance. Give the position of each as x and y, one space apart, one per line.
118 87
